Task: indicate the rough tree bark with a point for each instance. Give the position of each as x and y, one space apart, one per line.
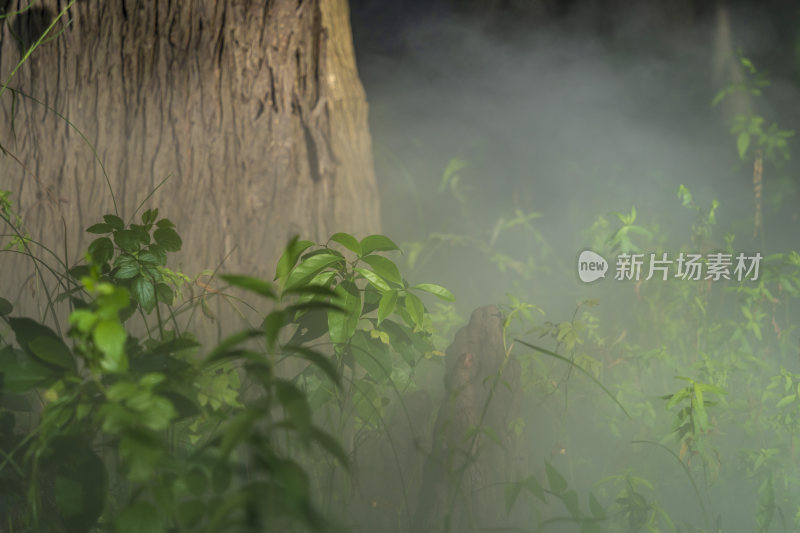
254 109
464 475
414 475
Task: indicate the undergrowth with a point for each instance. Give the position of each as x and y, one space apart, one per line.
668 406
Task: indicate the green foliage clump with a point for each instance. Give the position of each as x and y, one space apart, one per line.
104 430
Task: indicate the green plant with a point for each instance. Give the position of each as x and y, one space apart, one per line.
635 504
749 128
94 434
558 488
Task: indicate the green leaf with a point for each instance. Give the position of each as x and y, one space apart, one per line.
330 444
81 483
315 358
83 319
384 267
236 431
510 495
310 325
226 347
318 286
5 307
148 258
151 273
101 250
312 305
554 478
348 241
272 326
165 223
451 173
708 387
109 337
168 238
386 305
164 293
293 480
19 373
100 228
436 290
151 379
700 415
531 484
52 350
172 346
742 144
127 239
570 499
156 412
678 397
595 508
28 331
342 325
415 308
143 291
113 301
115 418
372 355
374 279
492 434
114 221
149 216
579 369
295 405
127 267
310 267
377 243
142 233
258 286
786 400
290 256
159 252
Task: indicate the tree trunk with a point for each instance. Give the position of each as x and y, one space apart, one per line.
464 476
253 109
